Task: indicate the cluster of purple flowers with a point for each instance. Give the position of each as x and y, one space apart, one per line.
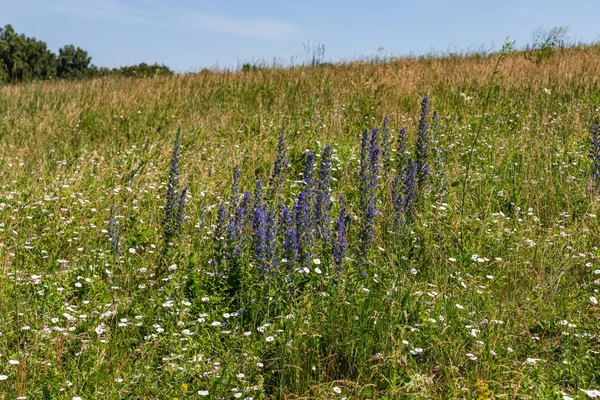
264 232
281 167
422 148
175 201
404 195
369 178
230 245
414 178
259 229
323 200
272 234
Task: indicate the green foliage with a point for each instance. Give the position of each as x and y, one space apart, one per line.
72 62
545 43
247 67
143 70
24 59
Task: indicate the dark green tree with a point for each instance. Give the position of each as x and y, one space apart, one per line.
143 70
73 62
23 58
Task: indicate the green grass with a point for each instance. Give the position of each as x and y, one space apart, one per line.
77 319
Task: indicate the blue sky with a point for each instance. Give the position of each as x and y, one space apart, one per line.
188 35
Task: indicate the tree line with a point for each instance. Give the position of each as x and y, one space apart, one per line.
24 59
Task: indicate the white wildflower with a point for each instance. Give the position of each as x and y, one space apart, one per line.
592 394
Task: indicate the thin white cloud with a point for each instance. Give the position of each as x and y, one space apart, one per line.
97 10
250 27
161 15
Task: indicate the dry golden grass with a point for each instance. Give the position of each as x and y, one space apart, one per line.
230 109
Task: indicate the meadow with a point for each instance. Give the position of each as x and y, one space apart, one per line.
249 235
